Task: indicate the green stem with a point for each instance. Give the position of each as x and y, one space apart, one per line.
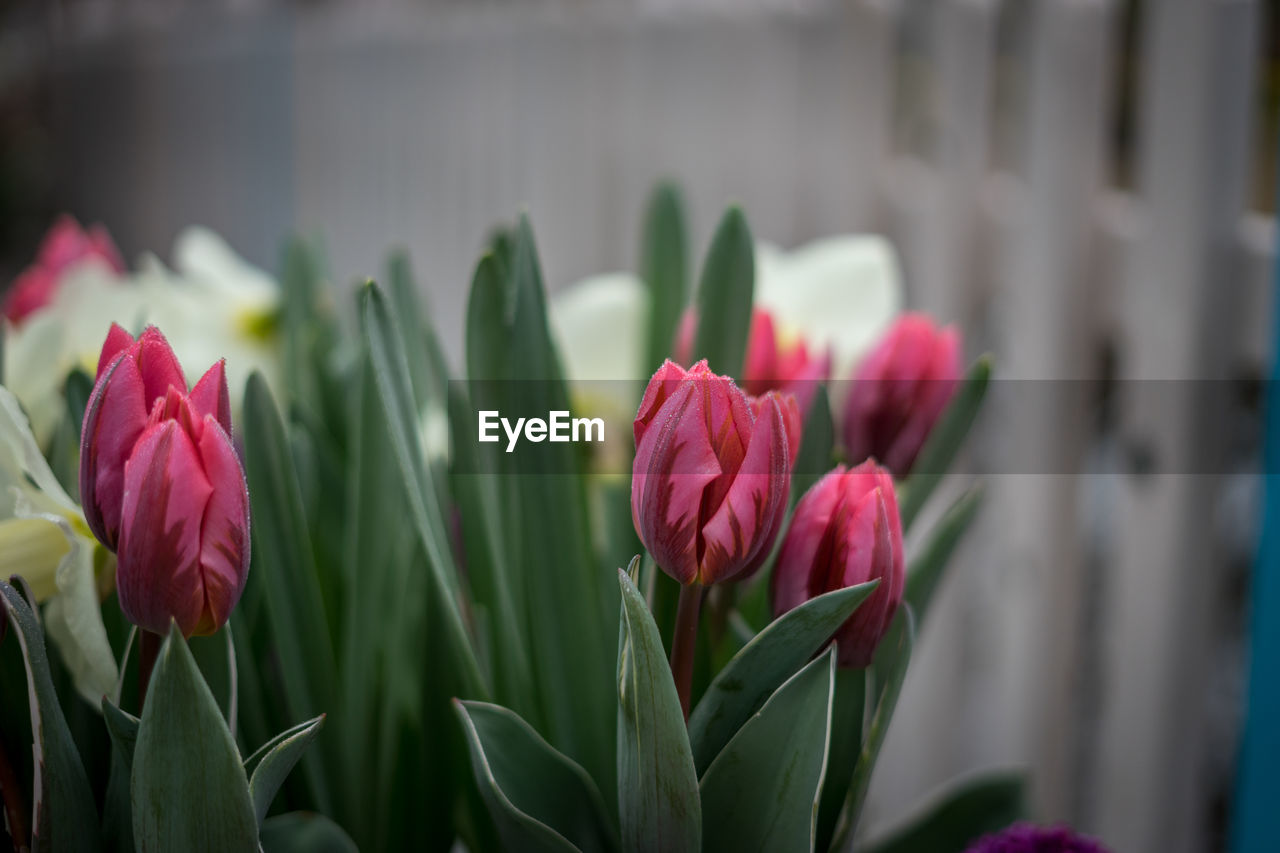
684 640
148 651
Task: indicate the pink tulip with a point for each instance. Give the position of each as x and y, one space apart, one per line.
65 246
711 477
773 362
900 390
184 528
845 531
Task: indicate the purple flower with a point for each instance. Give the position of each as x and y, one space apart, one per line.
1027 838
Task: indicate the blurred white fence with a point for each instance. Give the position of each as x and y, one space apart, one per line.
1081 634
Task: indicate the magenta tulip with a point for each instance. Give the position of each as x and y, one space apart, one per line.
65 246
900 390
711 476
845 531
162 485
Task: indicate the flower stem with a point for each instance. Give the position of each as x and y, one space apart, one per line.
14 807
684 640
148 651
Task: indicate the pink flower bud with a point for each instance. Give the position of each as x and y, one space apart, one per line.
900 390
711 476
184 517
773 362
65 246
845 531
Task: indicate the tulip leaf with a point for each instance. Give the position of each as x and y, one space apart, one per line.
888 670
538 798
284 560
816 444
960 815
926 569
945 440
189 789
848 707
761 791
725 293
658 800
117 811
304 832
76 391
664 267
63 807
772 656
272 763
391 371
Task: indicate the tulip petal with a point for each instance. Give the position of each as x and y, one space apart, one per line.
210 396
118 340
158 365
165 496
674 463
810 531
114 419
868 554
224 533
742 529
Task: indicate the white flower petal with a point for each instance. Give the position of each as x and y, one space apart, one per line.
73 620
598 325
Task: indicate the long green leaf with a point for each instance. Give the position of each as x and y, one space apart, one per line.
816 444
276 761
925 571
848 707
959 816
761 792
944 441
538 798
725 292
65 817
889 668
117 810
773 656
664 267
391 371
188 789
658 800
304 832
284 560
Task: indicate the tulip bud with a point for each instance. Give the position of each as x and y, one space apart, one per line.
845 531
65 246
773 362
711 477
184 517
900 390
132 376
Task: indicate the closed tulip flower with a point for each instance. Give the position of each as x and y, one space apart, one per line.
64 248
712 473
845 531
900 390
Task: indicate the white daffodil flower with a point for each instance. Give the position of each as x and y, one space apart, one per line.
44 538
840 292
213 305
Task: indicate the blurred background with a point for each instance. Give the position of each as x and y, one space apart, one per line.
1086 186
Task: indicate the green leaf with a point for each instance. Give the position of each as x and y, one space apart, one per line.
117 811
65 815
304 832
959 816
926 569
888 668
277 758
848 707
664 267
725 293
761 792
538 798
772 657
944 441
816 445
658 800
391 372
188 788
78 387
284 560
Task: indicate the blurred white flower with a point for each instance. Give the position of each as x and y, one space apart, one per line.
212 305
44 538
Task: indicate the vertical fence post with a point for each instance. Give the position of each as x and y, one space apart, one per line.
1258 781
